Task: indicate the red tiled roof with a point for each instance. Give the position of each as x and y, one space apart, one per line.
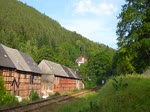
81 59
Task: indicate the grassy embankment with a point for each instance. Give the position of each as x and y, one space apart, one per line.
130 93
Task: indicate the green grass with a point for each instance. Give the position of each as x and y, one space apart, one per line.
83 104
130 93
133 97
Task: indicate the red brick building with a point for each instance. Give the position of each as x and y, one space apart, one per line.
58 78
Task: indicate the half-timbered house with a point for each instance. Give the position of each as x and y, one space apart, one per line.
21 74
58 78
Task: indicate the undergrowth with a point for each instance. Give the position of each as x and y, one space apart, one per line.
6 98
34 95
130 93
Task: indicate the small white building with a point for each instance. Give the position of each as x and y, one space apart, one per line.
80 60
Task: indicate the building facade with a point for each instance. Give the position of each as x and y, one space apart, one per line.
19 71
58 78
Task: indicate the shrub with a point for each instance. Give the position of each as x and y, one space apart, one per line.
57 94
8 99
5 97
33 95
54 95
119 84
24 100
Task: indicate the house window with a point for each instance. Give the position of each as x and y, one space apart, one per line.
31 79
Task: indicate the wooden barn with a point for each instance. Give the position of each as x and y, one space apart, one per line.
19 71
58 78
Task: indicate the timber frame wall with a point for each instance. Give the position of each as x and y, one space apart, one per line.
20 83
61 84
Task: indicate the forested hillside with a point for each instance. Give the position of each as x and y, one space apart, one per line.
26 29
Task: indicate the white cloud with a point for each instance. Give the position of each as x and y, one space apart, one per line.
91 6
83 6
108 9
94 19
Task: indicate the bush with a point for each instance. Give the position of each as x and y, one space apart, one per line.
33 95
119 84
8 99
24 100
57 94
54 95
5 97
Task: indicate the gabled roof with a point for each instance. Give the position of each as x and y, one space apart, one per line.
18 60
5 61
32 65
51 68
72 73
81 59
68 72
76 75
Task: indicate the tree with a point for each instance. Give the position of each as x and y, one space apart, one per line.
45 53
133 32
83 71
99 67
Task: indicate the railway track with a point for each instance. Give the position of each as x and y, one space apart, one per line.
32 106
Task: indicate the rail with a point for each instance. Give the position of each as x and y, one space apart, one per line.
28 107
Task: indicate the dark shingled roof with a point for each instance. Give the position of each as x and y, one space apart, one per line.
75 73
51 68
5 61
12 58
33 66
17 59
67 71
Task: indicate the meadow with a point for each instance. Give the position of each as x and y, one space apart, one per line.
128 93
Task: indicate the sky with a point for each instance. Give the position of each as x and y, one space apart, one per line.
93 19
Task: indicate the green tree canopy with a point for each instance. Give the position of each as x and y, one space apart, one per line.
133 32
99 67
